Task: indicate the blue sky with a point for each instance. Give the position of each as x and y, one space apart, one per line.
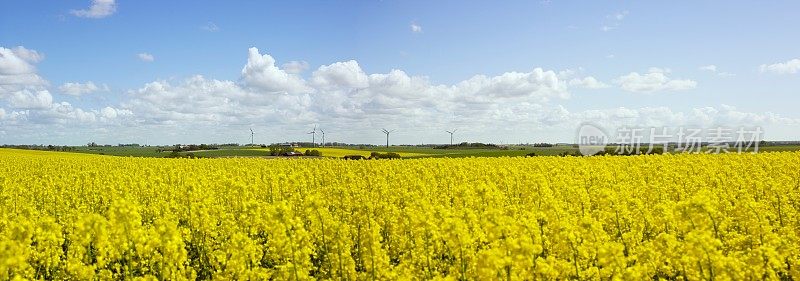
519 71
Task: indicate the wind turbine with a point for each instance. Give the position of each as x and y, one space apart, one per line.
451 135
251 136
387 132
323 137
313 136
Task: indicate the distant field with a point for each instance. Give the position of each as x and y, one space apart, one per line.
342 152
230 152
338 152
404 151
122 151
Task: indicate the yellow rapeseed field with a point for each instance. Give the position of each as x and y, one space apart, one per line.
693 217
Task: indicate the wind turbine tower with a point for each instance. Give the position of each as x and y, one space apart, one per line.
387 132
313 136
451 135
323 137
251 136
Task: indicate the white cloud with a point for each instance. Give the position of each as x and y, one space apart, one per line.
725 74
700 117
610 56
788 67
654 81
17 71
78 89
710 67
295 67
99 9
210 27
31 56
110 113
261 72
16 61
341 92
340 75
350 104
587 82
209 101
539 83
146 57
416 28
26 93
27 99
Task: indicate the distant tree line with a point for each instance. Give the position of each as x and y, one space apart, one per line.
388 155
176 154
467 145
278 150
128 145
40 147
193 147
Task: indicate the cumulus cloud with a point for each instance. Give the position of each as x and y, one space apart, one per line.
78 89
295 67
787 67
110 113
145 57
27 99
587 82
31 103
538 84
699 117
340 74
261 73
98 9
209 101
17 70
655 80
31 56
17 61
343 93
351 104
